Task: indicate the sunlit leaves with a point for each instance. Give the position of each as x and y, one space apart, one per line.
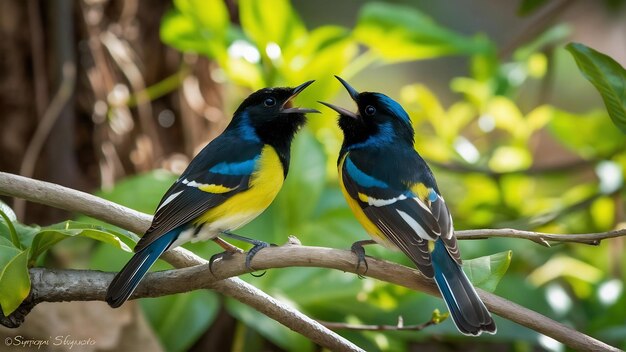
399 33
603 213
607 76
271 22
198 26
580 274
508 117
510 158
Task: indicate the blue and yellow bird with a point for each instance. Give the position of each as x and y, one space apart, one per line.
229 183
394 195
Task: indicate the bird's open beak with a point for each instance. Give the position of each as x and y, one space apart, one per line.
353 94
287 106
340 110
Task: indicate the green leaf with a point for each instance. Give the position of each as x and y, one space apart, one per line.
8 217
51 235
197 26
398 33
14 279
607 76
179 320
270 22
486 272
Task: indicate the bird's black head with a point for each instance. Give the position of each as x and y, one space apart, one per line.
268 116
378 120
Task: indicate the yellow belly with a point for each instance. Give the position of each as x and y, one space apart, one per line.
265 183
369 226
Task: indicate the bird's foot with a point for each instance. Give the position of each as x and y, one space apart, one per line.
257 245
357 248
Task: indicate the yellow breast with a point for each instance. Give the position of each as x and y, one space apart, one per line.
265 183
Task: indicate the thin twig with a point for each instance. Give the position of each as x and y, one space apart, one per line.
360 327
541 238
276 257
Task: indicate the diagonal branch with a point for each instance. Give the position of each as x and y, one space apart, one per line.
287 256
80 202
84 285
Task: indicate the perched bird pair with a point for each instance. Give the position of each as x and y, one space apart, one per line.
388 186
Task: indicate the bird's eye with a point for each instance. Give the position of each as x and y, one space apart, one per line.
370 110
269 102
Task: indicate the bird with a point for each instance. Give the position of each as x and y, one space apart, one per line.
394 195
231 181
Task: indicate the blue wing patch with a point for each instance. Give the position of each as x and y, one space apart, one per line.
432 195
361 178
238 168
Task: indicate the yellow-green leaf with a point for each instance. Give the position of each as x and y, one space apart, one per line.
14 279
51 235
398 33
270 22
486 272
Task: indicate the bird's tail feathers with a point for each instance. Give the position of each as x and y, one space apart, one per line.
468 312
125 282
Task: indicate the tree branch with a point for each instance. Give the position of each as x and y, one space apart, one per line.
56 286
86 285
80 202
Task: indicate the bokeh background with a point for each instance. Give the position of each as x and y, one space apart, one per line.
115 97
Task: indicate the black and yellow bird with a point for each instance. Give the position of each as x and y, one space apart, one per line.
229 183
394 195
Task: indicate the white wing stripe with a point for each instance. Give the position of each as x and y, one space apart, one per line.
419 230
169 199
421 204
383 202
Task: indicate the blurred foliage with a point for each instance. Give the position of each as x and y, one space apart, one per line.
498 163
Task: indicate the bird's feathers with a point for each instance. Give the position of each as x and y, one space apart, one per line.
125 282
468 312
398 208
214 176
